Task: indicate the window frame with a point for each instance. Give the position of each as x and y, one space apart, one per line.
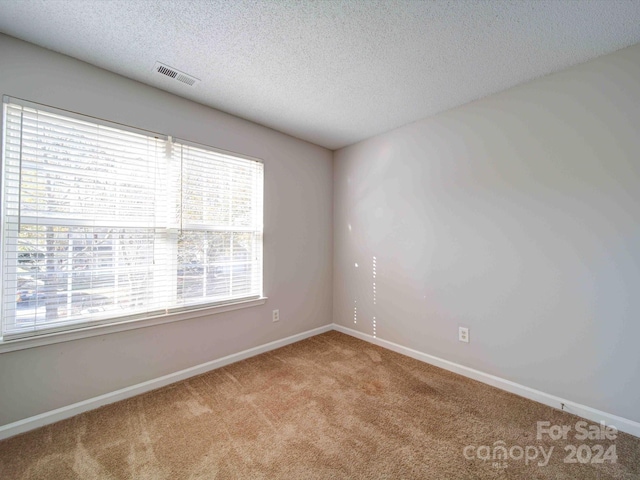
89 328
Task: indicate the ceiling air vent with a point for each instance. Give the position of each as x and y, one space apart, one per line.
171 72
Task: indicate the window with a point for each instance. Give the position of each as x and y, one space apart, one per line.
103 223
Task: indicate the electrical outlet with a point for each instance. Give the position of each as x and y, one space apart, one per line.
276 315
463 334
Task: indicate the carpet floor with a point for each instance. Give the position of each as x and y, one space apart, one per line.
331 406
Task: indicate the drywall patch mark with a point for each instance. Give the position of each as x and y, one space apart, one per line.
355 312
373 271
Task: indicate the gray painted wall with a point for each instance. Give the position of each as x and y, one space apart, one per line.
297 240
516 216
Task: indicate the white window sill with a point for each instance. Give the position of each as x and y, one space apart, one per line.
93 331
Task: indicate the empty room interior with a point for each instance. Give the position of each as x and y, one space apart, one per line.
320 239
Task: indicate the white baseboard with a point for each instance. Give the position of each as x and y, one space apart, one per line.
622 424
21 426
47 418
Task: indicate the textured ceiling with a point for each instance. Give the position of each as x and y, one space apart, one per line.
332 72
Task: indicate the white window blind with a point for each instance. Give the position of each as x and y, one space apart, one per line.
102 223
221 225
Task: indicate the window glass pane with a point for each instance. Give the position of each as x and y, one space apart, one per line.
214 266
68 274
74 169
219 190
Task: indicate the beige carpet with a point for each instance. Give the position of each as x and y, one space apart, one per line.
328 407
